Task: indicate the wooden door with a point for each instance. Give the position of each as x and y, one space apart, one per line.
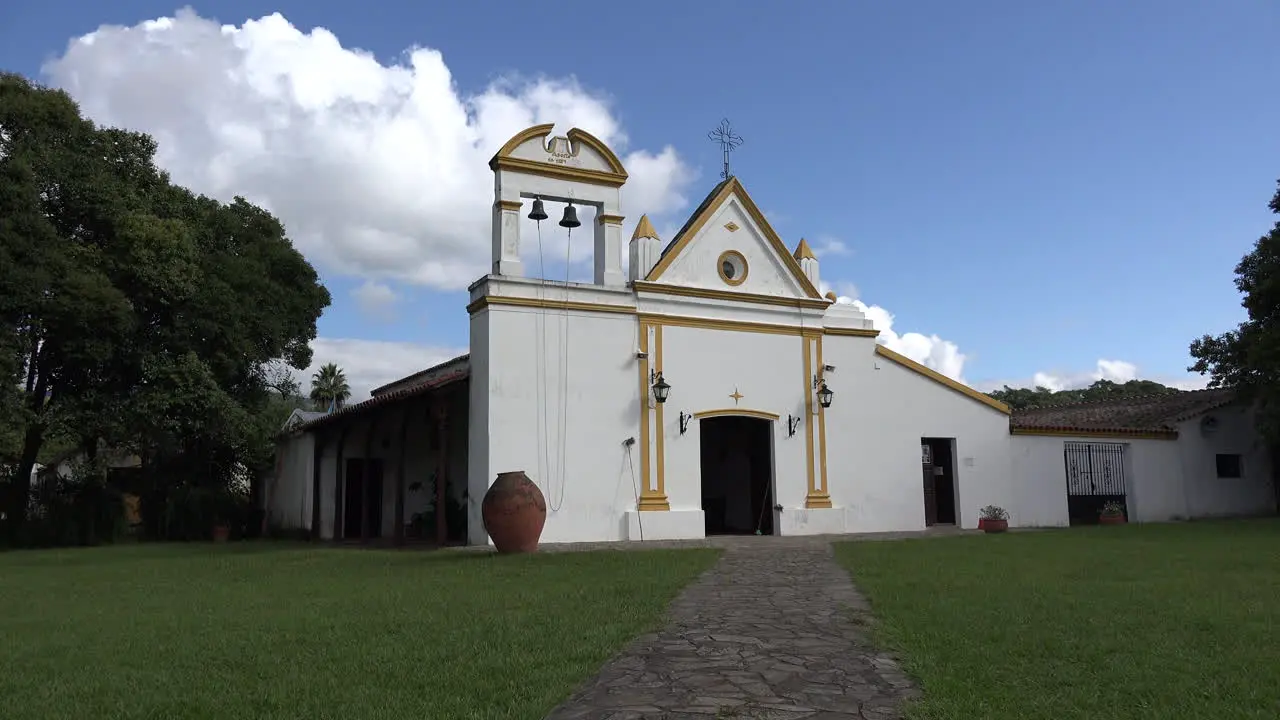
930 485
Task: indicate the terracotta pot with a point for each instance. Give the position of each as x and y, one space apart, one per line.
220 533
994 526
982 522
514 512
1111 519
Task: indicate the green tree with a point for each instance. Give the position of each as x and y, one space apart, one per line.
329 387
133 313
1248 358
1021 398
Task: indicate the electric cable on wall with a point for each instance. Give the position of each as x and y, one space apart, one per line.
540 339
562 459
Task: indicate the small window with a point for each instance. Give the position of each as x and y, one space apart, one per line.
732 266
1230 466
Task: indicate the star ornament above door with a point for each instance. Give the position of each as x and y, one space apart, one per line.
736 396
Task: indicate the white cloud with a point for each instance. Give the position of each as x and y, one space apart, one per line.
1117 371
375 299
931 351
945 357
379 171
825 245
370 363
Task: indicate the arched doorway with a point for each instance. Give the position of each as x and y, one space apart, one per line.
737 475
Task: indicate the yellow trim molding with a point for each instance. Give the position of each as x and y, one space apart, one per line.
713 294
509 204
814 498
578 136
822 429
732 188
731 325
650 499
727 256
1118 433
850 332
610 219
559 172
731 412
661 428
937 377
545 304
653 318
617 176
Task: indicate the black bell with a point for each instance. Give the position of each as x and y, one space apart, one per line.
570 219
538 212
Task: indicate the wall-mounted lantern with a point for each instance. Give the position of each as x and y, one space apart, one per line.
684 421
660 387
825 395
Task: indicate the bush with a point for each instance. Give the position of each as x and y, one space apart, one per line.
74 511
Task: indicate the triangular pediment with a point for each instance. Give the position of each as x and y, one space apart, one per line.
728 228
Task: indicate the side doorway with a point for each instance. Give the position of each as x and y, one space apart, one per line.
1096 475
362 499
938 475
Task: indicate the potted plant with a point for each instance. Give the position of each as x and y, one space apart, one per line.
993 519
1112 513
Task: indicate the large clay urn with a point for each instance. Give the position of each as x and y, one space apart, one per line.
514 512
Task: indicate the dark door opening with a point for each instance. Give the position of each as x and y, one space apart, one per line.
1095 476
737 475
938 462
362 499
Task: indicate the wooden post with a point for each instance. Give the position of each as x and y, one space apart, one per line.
404 438
365 478
317 462
442 470
339 479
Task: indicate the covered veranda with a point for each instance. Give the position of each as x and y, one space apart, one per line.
389 470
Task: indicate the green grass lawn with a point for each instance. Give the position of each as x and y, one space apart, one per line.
265 631
1156 621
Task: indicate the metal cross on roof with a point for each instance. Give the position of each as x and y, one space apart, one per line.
728 139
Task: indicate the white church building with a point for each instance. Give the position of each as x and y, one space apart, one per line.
709 388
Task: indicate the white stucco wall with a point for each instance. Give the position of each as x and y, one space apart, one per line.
288 497
1208 495
1154 477
705 367
1167 480
874 427
567 436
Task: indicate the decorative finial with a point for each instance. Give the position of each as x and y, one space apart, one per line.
728 139
644 229
803 251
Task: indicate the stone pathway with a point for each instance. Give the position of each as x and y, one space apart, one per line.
770 632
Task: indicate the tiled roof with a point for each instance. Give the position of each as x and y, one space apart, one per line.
421 374
1159 413
453 371
694 215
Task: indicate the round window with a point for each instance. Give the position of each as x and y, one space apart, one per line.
732 267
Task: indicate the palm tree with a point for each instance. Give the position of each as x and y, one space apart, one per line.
329 389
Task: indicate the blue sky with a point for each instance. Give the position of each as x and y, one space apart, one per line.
1042 184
